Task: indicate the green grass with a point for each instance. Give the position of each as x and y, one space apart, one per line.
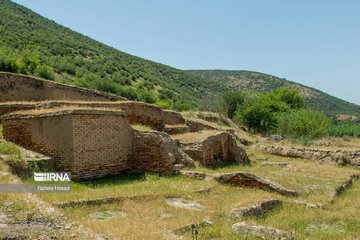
9 148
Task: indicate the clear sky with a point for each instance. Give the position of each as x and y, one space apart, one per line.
313 42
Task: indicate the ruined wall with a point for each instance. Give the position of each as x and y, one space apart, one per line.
340 157
156 152
195 126
94 143
6 108
17 87
50 135
102 145
88 143
218 148
136 112
173 118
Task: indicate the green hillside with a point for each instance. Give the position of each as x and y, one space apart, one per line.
34 45
43 48
246 80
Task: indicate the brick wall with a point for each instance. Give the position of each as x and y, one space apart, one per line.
93 143
17 87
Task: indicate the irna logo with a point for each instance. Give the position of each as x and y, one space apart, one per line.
52 177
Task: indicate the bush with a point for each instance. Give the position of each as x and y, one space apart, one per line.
8 64
303 123
44 72
288 96
258 117
345 129
230 100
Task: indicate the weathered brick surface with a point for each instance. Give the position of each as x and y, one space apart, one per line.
17 87
93 143
136 112
217 148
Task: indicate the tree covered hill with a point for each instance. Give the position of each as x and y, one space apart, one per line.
32 44
247 80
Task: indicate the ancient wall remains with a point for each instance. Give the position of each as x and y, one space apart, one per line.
217 148
340 157
93 143
136 112
17 87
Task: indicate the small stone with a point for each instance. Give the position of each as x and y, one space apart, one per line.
184 203
165 215
280 164
193 174
255 210
261 231
67 227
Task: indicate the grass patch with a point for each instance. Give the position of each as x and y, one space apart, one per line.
9 148
140 127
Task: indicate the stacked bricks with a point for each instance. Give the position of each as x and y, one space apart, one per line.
93 143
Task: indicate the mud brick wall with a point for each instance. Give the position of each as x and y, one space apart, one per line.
156 152
12 107
102 145
218 148
17 87
136 112
93 143
88 143
172 117
49 135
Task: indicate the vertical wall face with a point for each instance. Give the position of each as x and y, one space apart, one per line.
155 152
15 87
51 135
102 145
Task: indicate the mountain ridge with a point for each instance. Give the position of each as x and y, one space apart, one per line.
251 80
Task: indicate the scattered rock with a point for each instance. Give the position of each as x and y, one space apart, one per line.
255 210
345 185
309 205
204 190
275 138
280 164
106 214
165 215
193 174
178 167
250 180
184 203
261 231
188 227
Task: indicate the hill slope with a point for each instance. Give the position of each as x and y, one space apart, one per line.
80 60
247 80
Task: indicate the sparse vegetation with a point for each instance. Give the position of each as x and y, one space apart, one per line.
9 148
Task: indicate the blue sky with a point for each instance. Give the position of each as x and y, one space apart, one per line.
316 43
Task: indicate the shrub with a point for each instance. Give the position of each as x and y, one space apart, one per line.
44 72
257 117
230 100
345 129
291 97
303 123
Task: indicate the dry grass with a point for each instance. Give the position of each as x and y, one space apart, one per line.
174 125
194 136
58 109
140 127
